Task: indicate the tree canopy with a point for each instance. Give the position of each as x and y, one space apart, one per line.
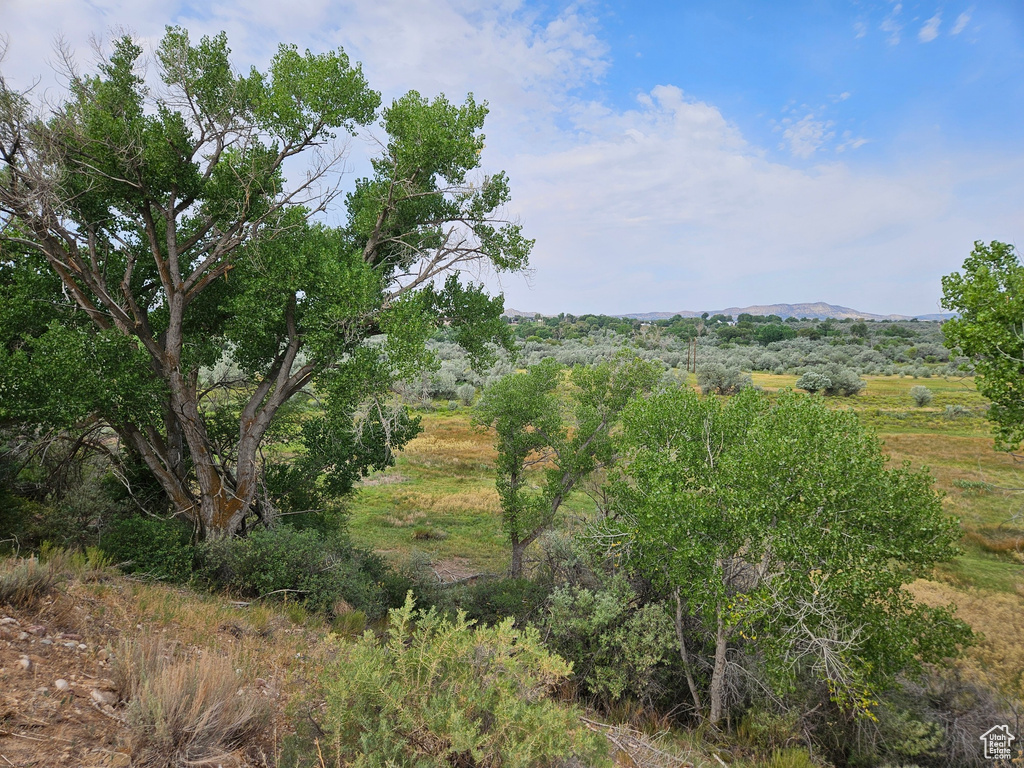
777 526
560 424
989 297
162 277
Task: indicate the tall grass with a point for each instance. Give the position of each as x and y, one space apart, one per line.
24 581
185 712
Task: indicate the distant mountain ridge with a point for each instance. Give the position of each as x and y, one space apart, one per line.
819 309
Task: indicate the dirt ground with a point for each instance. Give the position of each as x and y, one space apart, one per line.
61 686
56 697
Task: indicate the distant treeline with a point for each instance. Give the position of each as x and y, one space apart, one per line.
745 343
743 329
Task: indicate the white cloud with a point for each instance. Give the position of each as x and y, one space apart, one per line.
850 142
962 21
892 25
930 30
665 205
807 135
860 28
669 207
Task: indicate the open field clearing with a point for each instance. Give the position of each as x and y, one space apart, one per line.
439 499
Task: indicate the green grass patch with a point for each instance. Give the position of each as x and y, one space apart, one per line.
440 498
984 570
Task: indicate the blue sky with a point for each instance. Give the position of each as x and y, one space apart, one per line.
679 155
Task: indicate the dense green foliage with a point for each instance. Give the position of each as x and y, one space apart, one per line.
155 547
160 276
441 692
538 421
326 574
619 645
989 297
783 530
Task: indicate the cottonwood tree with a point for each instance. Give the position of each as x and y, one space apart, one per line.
148 234
989 297
777 526
553 429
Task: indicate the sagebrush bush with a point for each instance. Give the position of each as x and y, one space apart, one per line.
833 380
957 411
921 396
466 393
185 711
157 547
721 380
442 692
616 645
24 581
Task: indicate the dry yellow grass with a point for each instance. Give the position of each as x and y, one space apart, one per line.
998 618
966 453
480 500
451 441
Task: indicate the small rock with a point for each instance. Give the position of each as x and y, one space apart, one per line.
23 635
36 629
83 647
105 684
103 697
102 654
70 644
61 684
44 690
25 663
69 636
9 620
46 641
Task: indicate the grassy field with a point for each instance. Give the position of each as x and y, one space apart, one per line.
440 500
438 505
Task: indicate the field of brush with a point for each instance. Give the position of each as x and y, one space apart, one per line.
438 506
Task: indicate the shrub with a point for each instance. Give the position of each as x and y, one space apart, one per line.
158 547
301 563
466 393
24 582
832 381
616 647
493 601
921 396
814 381
721 380
438 692
184 712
